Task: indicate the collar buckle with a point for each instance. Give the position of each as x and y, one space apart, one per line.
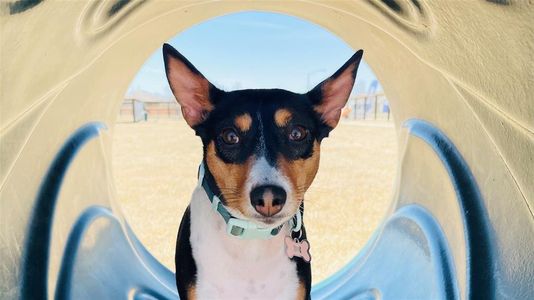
247 230
215 203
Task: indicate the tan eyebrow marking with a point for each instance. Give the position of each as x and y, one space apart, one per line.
282 117
243 122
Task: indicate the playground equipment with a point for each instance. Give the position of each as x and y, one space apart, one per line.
459 79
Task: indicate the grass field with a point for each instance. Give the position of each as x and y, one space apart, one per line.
155 165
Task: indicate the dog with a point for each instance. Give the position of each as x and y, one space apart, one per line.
242 235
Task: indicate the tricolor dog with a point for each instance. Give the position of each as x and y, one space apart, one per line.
242 235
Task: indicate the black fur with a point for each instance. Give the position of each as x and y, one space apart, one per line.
303 267
260 104
186 268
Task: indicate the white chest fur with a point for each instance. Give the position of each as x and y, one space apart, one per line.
230 268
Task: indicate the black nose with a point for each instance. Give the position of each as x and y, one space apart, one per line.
268 200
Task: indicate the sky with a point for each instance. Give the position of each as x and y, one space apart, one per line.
254 50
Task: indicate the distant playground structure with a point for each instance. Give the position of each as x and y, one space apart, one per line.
458 77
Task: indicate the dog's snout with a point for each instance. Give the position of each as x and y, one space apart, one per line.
268 200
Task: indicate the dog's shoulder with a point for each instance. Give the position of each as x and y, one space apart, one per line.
303 273
186 268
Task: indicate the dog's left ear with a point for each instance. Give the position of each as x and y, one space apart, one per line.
190 88
331 95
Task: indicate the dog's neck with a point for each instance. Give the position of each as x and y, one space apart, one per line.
214 224
231 266
235 226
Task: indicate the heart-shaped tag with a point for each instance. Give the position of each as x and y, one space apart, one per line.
294 248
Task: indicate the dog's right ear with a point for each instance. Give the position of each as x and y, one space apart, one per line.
190 88
330 96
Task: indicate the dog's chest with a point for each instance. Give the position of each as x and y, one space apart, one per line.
230 268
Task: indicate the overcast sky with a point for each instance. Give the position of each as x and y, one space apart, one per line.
255 50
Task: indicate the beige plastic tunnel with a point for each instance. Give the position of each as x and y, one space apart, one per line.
460 79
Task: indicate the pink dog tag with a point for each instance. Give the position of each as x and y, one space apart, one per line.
298 249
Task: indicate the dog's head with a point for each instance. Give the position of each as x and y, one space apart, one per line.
261 147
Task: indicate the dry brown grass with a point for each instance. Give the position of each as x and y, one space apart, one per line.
155 165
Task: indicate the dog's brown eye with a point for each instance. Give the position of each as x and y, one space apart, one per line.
230 137
297 133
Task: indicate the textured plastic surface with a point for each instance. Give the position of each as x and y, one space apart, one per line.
461 223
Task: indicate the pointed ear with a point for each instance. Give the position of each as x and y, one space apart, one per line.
331 95
190 88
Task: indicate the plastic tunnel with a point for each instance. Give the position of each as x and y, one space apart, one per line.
459 77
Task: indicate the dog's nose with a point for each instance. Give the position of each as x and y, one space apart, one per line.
268 200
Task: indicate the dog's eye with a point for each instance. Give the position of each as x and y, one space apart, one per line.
229 136
297 133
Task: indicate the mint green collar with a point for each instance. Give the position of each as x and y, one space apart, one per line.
239 228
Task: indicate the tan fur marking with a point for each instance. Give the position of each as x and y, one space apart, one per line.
230 178
301 172
192 293
282 117
301 291
243 122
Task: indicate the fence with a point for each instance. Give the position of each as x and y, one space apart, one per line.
134 111
367 107
361 107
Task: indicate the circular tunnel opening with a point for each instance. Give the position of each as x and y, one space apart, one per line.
156 155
